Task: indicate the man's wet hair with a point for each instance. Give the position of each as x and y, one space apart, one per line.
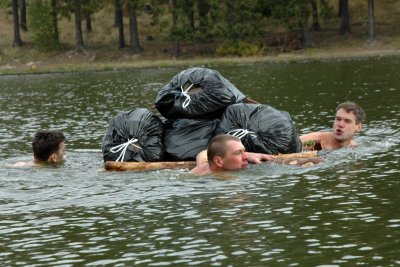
355 108
217 146
46 143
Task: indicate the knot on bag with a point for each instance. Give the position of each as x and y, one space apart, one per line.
186 95
123 147
240 133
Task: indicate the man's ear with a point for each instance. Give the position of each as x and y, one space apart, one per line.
218 161
52 158
359 127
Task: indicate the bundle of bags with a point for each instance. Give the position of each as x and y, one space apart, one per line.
197 104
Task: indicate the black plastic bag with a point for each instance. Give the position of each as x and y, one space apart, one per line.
197 93
185 138
135 135
261 128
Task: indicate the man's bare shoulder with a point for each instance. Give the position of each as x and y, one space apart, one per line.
201 169
24 164
32 163
201 157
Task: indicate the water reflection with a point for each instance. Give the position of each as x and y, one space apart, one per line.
341 212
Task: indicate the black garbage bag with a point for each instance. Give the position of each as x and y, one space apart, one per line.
185 138
135 135
197 93
261 128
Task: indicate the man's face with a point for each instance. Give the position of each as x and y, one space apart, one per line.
59 155
345 126
235 157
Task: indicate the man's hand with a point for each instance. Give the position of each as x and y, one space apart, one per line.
257 158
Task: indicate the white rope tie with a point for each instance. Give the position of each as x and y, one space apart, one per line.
240 133
186 95
123 147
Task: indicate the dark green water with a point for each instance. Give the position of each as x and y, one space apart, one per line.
342 212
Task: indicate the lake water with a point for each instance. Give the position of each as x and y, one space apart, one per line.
342 212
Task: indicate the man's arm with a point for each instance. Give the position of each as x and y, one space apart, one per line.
257 158
316 136
202 167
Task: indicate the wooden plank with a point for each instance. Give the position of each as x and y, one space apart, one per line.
304 159
148 166
300 155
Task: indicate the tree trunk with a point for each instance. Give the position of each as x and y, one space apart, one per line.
305 32
121 35
119 22
345 18
134 35
339 14
371 20
315 15
203 9
176 43
305 35
117 8
189 8
115 13
55 20
78 26
23 24
17 36
230 10
88 19
176 50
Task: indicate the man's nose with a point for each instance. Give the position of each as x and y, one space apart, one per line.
340 123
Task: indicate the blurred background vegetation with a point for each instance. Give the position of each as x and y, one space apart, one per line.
114 29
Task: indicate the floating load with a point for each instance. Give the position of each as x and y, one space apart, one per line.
185 138
135 135
261 128
197 93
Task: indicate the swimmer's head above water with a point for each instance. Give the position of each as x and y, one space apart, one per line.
48 147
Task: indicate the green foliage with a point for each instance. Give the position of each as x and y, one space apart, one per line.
327 11
238 19
5 3
239 48
289 14
68 7
156 11
181 28
45 35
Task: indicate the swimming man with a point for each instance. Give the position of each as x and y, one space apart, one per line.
348 122
48 148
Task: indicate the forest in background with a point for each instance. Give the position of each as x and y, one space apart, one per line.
114 29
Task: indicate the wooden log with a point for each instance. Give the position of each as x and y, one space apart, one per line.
303 162
304 159
294 158
248 100
148 166
300 155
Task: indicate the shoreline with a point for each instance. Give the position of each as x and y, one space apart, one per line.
83 63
